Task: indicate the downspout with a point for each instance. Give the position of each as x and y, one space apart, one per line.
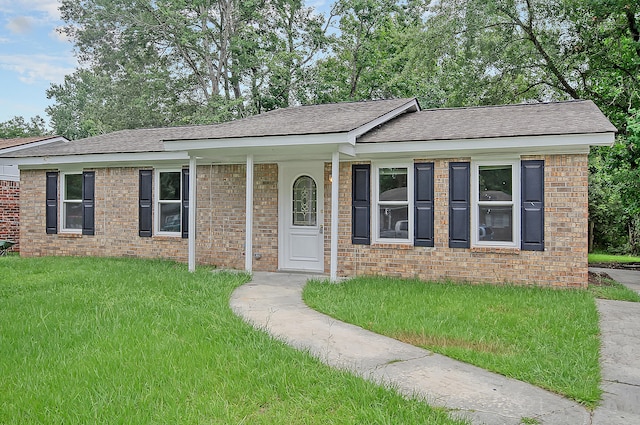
192 213
248 243
335 184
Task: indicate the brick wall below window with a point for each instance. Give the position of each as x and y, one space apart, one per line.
10 212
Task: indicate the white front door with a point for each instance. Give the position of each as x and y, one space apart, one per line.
301 190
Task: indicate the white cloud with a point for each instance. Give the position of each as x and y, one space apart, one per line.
24 7
20 25
38 68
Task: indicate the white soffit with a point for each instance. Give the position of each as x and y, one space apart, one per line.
574 143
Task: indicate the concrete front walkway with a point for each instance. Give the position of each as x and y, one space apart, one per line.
620 354
273 302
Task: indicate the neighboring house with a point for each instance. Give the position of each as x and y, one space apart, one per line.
10 185
486 194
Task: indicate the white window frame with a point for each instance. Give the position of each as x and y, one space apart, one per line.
64 201
157 202
514 203
376 203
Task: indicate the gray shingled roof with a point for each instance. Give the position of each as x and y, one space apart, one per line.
312 119
21 141
535 119
573 117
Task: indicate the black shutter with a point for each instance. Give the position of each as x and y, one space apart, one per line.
459 204
423 175
145 204
185 202
88 202
52 202
361 204
532 205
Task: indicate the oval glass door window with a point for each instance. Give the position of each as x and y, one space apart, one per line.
305 195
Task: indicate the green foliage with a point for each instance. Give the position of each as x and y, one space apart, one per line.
18 127
95 340
547 337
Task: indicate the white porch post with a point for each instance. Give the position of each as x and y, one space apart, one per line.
335 184
248 243
192 213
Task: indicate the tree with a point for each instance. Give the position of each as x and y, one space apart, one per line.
168 62
18 127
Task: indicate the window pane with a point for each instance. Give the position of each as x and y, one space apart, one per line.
170 217
495 183
73 186
496 224
304 201
72 215
393 184
170 186
394 223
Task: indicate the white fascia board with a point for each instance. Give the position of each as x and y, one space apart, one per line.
33 144
409 106
251 142
521 145
100 160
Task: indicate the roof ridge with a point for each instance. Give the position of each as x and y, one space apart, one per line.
506 105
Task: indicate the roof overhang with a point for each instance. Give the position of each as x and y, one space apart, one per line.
33 144
524 145
98 160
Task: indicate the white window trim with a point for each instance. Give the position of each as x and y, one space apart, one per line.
375 215
156 202
64 201
515 202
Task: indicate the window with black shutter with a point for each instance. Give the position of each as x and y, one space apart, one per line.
424 203
532 205
52 202
145 204
459 205
361 204
88 202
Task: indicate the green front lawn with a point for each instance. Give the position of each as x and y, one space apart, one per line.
610 258
543 336
88 340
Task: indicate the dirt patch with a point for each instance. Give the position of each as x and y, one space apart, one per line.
600 279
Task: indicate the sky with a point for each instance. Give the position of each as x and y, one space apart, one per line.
33 55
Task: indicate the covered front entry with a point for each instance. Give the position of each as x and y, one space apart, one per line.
301 194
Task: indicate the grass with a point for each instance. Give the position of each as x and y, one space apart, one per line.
610 258
608 289
547 337
88 340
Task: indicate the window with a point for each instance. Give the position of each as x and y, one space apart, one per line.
169 210
304 201
393 215
496 195
71 202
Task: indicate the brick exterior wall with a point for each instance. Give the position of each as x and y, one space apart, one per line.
10 212
221 227
562 264
220 219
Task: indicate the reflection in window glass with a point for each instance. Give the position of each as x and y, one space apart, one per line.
170 217
393 208
495 183
495 203
72 202
170 186
169 202
496 224
305 202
